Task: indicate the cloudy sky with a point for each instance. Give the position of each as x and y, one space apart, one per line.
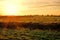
29 7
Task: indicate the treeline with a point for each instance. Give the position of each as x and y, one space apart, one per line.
12 25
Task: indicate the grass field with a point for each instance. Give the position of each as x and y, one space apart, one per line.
30 28
26 34
40 19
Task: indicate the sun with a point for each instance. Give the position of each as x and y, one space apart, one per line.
11 9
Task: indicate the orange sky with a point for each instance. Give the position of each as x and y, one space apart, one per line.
29 7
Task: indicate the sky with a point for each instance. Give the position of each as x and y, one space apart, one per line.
29 7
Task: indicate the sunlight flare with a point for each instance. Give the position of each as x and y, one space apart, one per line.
11 9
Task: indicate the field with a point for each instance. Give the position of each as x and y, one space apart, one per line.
29 28
39 19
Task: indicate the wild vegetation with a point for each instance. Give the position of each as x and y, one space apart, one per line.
30 27
29 31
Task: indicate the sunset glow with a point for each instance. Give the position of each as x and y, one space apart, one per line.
29 7
10 9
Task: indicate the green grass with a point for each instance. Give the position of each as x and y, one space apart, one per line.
28 34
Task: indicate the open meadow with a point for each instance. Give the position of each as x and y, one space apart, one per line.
29 27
